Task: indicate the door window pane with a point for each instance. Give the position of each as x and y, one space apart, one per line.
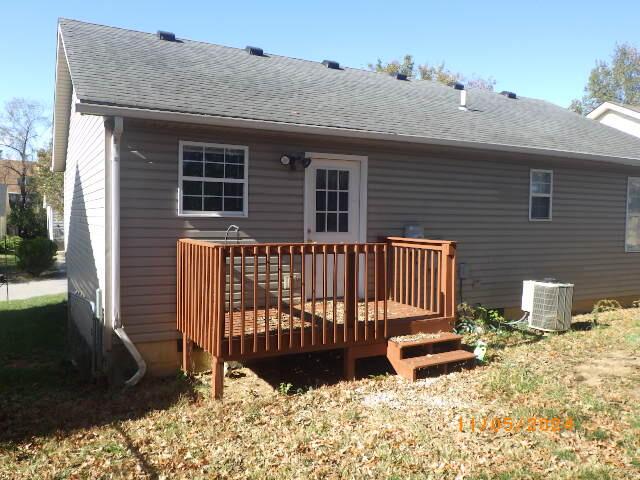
344 180
344 202
332 201
332 222
321 179
320 222
343 222
332 179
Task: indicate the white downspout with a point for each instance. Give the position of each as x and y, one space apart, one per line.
115 255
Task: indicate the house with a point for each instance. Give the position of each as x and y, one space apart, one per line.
11 173
625 118
256 205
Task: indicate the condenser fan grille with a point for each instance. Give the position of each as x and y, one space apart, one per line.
551 308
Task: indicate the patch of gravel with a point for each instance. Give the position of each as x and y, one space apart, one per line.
417 336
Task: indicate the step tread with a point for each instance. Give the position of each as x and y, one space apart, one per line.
438 359
442 337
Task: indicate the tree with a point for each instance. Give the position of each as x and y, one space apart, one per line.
21 124
615 81
407 67
438 73
49 184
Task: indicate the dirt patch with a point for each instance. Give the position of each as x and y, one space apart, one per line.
613 365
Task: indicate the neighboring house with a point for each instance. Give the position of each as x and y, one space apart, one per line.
55 223
625 118
164 139
10 178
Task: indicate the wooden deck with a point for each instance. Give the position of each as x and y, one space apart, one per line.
245 301
303 328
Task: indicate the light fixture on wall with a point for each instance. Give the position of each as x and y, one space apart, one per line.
291 160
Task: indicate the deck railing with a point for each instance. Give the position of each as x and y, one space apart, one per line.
245 300
423 274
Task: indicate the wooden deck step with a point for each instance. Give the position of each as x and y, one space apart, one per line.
427 361
427 340
409 367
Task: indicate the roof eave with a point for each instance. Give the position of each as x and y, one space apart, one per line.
605 107
62 107
170 116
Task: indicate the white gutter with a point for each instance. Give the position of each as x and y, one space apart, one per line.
286 127
116 320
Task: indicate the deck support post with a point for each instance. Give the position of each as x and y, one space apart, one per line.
349 364
217 377
187 349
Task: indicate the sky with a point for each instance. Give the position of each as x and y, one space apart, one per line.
542 49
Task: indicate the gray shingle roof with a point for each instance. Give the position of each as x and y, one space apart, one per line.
127 68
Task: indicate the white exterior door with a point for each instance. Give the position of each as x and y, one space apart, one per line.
333 212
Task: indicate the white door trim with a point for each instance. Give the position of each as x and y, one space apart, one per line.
363 161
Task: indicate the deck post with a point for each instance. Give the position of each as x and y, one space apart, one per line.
187 347
349 364
349 293
217 377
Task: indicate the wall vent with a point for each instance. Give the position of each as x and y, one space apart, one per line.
166 36
257 51
331 64
508 94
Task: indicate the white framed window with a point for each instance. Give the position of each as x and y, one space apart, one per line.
540 195
213 180
632 235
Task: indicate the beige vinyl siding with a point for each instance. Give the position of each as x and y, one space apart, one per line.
84 217
477 199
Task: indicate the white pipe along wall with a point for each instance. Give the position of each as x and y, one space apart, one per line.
115 255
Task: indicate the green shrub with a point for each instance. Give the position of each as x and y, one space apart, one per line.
606 305
10 244
36 255
602 306
29 221
469 318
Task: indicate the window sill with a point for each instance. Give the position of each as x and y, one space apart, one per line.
540 219
212 215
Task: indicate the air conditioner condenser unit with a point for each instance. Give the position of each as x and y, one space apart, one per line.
548 304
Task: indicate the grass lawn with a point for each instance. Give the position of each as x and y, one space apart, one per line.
54 426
